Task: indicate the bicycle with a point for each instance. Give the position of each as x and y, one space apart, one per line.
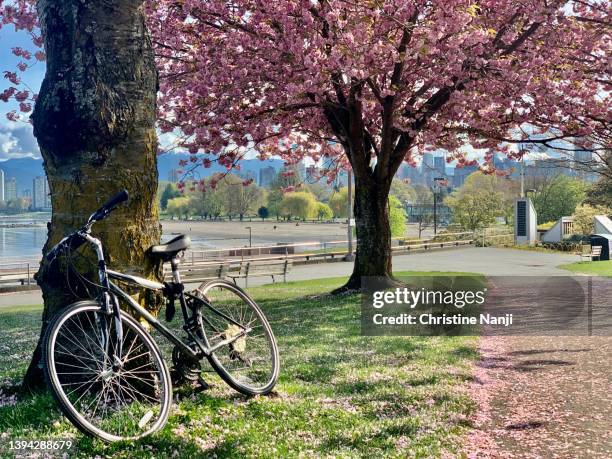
107 372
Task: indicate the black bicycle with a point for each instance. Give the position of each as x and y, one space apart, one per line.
106 370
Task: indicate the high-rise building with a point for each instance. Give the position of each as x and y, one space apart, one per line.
461 173
267 176
10 189
173 176
1 185
584 165
41 200
428 161
583 156
440 164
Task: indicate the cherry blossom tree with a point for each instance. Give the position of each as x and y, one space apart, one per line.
375 83
371 84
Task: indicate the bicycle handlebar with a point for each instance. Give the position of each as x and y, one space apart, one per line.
109 206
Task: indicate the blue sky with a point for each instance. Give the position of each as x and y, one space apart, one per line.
16 139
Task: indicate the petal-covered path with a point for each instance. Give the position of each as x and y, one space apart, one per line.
543 397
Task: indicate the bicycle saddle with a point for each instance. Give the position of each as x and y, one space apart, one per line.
169 250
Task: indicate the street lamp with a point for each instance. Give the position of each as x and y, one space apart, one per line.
438 182
250 234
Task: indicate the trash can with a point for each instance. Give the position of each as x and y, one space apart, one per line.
605 241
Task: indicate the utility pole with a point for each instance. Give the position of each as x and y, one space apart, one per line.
250 236
349 213
438 181
435 194
522 177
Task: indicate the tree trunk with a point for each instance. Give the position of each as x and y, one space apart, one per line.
373 254
95 124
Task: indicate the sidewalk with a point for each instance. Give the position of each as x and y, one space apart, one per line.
489 261
543 397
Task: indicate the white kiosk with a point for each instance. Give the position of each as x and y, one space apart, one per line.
525 222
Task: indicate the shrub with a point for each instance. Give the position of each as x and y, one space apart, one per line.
546 226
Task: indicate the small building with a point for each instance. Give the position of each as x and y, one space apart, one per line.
564 228
525 222
603 224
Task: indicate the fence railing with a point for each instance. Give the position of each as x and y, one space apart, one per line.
22 272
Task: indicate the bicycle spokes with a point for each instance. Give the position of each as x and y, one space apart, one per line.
123 397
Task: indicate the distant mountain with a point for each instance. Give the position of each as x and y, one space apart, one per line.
167 162
26 169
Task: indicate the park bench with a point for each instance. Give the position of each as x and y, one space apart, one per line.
203 272
254 268
591 252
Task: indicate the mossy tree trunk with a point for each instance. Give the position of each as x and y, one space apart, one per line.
95 124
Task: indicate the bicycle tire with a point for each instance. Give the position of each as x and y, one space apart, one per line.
225 373
51 374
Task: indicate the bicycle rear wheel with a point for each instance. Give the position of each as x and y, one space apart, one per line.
250 364
127 402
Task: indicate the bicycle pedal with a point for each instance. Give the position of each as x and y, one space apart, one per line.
200 385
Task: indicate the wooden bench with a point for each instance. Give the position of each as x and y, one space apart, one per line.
254 268
594 252
202 272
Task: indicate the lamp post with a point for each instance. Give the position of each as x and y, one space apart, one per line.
438 181
250 236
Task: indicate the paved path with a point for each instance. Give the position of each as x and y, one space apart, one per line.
489 261
543 397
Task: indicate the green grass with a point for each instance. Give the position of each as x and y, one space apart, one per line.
595 268
339 394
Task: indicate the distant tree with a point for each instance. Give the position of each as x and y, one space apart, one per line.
17 205
263 212
298 204
179 207
320 191
557 197
239 198
287 179
338 202
423 212
600 194
212 203
170 192
323 211
583 217
477 203
510 190
397 217
402 191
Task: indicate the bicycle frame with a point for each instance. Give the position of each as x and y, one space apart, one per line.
111 293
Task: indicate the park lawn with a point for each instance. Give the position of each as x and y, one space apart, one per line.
595 268
339 394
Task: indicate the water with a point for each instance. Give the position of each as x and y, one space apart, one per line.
23 241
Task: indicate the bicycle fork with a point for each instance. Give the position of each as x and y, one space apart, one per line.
110 307
111 313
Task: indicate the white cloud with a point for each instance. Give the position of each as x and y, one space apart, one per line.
17 141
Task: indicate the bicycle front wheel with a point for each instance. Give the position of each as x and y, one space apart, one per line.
125 401
250 363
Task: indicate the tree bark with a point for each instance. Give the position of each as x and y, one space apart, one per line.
95 124
373 253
